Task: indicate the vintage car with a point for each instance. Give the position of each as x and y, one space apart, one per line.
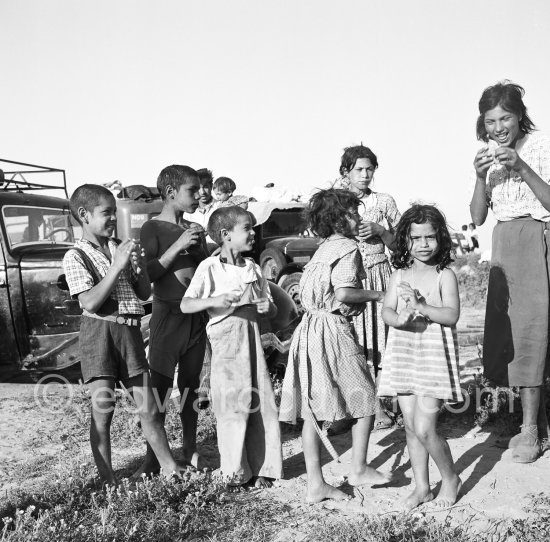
282 243
39 322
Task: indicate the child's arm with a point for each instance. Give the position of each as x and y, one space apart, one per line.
141 281
389 312
265 307
357 295
191 305
448 314
93 299
157 266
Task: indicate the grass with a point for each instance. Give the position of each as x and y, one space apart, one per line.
473 277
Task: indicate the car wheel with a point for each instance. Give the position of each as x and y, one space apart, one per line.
272 262
291 285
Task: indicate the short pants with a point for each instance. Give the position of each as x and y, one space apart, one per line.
174 337
110 350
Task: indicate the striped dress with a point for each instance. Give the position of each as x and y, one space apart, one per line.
422 359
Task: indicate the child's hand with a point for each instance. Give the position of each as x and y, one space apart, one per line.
367 230
262 305
410 296
123 254
190 237
136 258
224 301
483 161
405 316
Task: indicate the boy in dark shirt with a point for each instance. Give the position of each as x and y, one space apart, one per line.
173 249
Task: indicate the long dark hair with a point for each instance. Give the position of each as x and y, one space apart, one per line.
510 97
327 210
422 214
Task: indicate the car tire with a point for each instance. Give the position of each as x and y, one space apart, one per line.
291 285
272 262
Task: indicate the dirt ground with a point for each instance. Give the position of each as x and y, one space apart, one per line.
493 486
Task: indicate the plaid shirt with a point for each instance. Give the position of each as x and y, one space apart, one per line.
80 280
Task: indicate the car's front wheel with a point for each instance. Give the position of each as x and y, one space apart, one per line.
271 262
291 285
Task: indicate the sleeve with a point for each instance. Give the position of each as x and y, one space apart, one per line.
544 159
392 213
201 284
77 276
348 271
265 290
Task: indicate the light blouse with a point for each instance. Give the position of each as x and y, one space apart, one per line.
507 193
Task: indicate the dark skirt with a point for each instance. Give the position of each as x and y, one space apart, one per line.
515 344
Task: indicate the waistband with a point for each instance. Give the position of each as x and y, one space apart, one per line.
132 320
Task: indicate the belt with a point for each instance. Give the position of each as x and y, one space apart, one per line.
124 319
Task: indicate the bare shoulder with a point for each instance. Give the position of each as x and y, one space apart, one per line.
448 277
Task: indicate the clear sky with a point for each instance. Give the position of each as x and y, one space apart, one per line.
265 91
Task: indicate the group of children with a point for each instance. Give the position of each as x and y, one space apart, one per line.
199 298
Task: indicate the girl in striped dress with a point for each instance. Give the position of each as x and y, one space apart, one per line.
422 308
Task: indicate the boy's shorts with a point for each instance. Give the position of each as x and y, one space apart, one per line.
174 337
110 350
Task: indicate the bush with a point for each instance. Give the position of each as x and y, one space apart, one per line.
473 278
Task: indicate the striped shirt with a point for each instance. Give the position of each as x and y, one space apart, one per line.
80 280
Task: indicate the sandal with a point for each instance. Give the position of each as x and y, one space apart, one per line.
382 420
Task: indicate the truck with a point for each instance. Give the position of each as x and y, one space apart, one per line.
39 321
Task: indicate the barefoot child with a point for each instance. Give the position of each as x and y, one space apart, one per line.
173 248
421 359
234 292
107 280
327 377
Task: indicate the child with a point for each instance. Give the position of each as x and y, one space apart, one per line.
223 188
234 292
173 248
326 362
107 280
421 359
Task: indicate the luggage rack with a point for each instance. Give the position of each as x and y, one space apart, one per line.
16 180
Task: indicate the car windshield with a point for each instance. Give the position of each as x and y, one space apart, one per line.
31 226
283 223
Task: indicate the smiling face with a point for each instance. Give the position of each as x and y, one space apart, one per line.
423 243
101 220
186 197
502 126
241 237
361 175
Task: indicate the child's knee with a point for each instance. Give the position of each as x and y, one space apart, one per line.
425 432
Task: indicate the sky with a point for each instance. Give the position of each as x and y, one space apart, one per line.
266 91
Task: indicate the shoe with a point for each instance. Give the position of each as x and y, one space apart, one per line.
514 441
528 447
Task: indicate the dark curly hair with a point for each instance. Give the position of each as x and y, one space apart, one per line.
327 210
422 214
352 154
509 96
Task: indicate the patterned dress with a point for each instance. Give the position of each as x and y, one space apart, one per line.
371 330
422 359
327 372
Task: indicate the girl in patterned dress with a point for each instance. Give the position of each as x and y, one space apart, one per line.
422 308
379 217
327 377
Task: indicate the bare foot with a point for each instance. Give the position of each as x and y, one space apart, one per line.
448 494
416 498
196 461
368 476
325 491
149 467
261 482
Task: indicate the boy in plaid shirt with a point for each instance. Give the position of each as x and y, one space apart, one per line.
111 345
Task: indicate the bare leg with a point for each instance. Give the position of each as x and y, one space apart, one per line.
161 388
152 424
188 385
317 488
425 426
530 400
527 448
418 456
103 406
361 473
381 419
